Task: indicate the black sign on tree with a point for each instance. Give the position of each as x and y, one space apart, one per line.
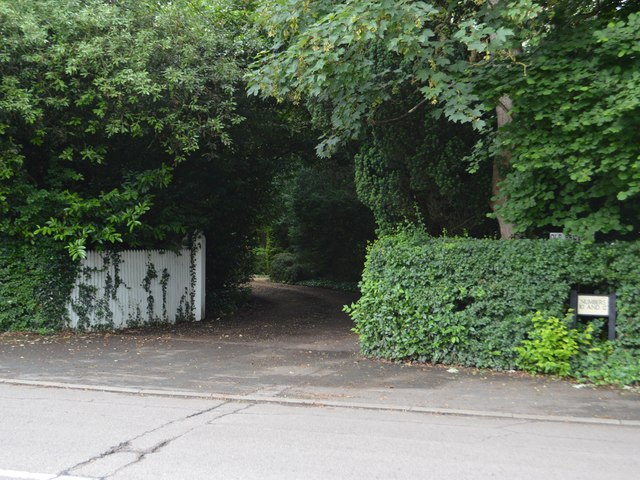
595 306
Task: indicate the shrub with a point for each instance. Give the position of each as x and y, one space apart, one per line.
35 284
287 268
263 258
471 301
551 345
609 363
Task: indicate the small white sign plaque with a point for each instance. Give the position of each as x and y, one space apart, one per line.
594 305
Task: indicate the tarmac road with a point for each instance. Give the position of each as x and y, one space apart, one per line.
79 435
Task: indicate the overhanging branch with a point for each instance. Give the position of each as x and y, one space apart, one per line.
400 117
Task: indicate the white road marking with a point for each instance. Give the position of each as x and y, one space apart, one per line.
15 474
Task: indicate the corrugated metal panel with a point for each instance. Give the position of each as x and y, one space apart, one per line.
131 294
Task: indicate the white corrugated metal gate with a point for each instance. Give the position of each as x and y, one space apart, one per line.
139 287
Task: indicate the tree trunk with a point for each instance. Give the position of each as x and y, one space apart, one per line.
500 165
503 160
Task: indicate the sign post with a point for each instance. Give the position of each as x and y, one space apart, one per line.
595 306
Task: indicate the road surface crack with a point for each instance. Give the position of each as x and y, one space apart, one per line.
212 421
126 445
144 453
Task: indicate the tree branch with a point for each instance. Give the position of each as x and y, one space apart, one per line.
400 117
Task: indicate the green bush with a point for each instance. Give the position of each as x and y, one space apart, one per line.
471 301
35 285
609 363
287 268
551 345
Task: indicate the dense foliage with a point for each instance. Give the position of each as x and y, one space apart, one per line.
318 221
35 284
100 102
379 72
472 302
574 142
126 124
412 171
120 123
352 57
569 68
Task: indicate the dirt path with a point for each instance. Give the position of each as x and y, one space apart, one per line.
280 312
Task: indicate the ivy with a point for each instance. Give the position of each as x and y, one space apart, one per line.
195 245
164 283
185 308
36 281
150 275
93 311
414 172
472 302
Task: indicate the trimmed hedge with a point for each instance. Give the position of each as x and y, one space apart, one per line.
35 284
471 301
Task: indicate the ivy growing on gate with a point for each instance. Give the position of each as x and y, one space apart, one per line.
151 275
164 282
94 306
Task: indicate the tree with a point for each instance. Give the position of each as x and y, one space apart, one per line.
354 57
361 66
320 221
574 146
101 103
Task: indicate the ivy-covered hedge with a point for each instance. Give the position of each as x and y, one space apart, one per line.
35 284
471 301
